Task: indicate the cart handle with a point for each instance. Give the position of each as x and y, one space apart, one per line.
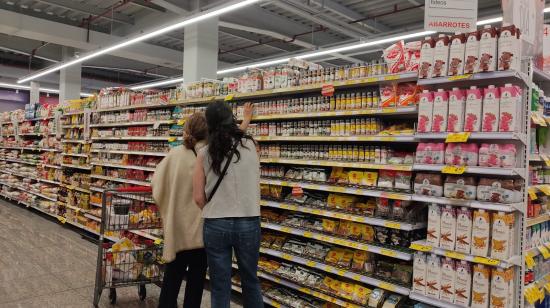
135 189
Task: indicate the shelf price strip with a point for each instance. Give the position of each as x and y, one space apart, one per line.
423 247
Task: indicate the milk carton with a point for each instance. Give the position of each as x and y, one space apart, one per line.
441 56
455 119
447 288
448 228
440 111
509 45
463 230
480 233
510 102
480 286
419 273
491 107
501 288
426 58
472 119
425 111
434 225
433 276
471 53
456 54
463 283
502 239
488 49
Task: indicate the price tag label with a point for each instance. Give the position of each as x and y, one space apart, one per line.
529 261
172 139
158 241
460 77
420 247
286 256
387 286
308 234
484 260
181 122
453 169
62 219
372 79
455 255
532 193
311 264
457 137
393 225
392 77
389 253
285 229
229 97
341 272
356 277
544 251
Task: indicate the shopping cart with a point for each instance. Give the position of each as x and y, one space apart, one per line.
130 260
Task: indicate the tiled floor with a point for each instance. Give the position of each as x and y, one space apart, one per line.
44 264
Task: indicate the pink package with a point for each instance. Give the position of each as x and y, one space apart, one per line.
425 111
461 154
489 155
472 121
430 153
455 120
491 108
510 101
394 56
440 111
412 56
508 155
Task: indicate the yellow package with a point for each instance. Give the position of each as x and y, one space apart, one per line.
346 290
345 261
335 174
355 177
264 190
276 191
359 259
334 256
330 226
357 230
335 286
361 294
344 177
345 228
346 202
332 200
369 178
368 233
359 208
326 283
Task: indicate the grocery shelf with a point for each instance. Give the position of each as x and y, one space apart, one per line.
51 166
328 163
339 241
77 166
146 235
424 247
129 107
306 290
540 75
476 77
69 113
535 251
266 299
367 191
345 216
537 220
160 138
380 138
472 169
432 301
95 204
68 126
48 181
29 191
475 136
129 152
75 154
339 113
503 207
338 271
73 187
137 123
19 161
123 166
535 157
75 141
32 177
108 178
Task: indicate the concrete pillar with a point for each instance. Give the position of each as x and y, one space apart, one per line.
200 50
35 93
70 77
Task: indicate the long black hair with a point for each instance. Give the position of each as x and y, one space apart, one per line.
223 132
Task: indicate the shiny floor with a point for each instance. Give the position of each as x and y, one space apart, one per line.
45 264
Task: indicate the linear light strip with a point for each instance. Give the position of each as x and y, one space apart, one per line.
45 90
158 83
234 5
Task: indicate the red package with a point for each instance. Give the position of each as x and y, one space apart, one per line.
395 57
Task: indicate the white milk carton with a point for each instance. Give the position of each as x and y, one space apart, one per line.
480 233
434 225
463 230
440 111
457 102
463 283
456 54
433 276
419 273
425 111
472 119
447 288
448 228
491 109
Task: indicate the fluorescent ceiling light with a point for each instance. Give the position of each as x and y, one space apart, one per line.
158 83
489 21
234 5
45 90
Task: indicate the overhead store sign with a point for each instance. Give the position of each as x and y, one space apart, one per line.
450 15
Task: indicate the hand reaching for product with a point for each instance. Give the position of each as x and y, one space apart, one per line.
247 115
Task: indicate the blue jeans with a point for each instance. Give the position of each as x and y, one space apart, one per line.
221 237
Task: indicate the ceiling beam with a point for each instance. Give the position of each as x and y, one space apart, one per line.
350 14
146 4
89 10
170 7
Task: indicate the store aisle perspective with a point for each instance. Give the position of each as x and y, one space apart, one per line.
43 264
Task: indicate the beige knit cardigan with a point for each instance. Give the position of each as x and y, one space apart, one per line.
173 193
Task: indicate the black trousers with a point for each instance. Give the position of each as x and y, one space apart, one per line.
192 263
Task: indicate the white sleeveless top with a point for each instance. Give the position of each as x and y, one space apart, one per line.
239 192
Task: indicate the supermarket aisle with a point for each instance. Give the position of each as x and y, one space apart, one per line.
43 264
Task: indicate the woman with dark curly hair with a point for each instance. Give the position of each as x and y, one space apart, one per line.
226 186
